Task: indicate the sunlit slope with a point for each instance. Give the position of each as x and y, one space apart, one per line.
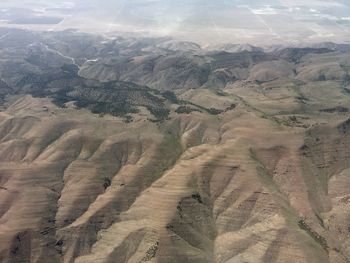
239 187
137 150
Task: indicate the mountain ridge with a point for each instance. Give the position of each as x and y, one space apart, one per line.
127 150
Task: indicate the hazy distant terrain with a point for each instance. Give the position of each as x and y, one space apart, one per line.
264 22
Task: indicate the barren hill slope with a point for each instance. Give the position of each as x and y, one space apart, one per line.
241 168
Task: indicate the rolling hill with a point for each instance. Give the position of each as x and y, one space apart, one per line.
148 150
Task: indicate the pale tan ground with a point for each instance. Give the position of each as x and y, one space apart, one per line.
248 185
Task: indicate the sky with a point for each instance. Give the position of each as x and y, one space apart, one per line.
202 21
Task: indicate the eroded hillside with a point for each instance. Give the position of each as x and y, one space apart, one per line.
130 150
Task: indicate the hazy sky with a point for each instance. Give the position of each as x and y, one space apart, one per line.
196 20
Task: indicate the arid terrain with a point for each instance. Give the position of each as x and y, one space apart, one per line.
153 150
